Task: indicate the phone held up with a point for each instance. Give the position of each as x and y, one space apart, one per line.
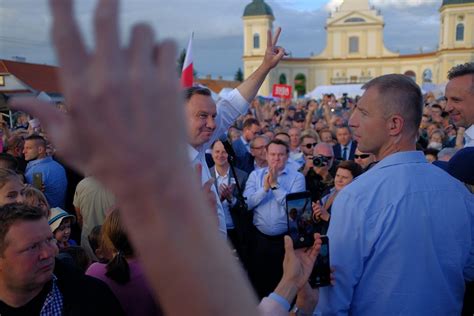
38 180
300 219
321 274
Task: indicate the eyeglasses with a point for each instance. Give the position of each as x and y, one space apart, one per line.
259 147
362 156
309 146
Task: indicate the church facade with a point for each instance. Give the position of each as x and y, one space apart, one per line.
355 50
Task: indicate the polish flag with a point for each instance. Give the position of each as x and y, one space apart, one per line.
187 72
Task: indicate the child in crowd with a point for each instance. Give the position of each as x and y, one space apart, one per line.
34 197
60 223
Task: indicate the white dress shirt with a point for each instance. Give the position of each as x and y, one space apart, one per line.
229 109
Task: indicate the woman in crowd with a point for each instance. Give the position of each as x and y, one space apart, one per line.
123 272
11 187
346 171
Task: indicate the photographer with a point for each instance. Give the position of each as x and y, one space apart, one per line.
318 171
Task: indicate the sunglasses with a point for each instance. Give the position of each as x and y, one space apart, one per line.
309 146
362 156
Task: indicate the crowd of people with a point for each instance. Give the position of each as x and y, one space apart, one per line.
96 220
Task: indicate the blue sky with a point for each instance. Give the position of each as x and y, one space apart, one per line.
410 25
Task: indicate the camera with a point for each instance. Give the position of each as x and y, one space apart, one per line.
320 161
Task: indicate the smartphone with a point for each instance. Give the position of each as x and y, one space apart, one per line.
300 219
38 180
321 274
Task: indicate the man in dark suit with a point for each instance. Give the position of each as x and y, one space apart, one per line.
345 147
250 129
225 183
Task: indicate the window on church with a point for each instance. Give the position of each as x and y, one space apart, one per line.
460 32
354 20
353 44
256 41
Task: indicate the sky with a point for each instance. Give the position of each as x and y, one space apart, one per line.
410 26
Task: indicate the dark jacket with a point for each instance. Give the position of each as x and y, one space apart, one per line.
84 295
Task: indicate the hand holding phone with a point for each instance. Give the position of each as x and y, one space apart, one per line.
38 180
300 219
321 274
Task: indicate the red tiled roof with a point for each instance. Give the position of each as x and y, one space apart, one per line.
217 85
39 77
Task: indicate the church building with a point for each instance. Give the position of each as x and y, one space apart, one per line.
355 50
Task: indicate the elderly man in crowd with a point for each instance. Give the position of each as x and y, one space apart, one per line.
389 218
258 150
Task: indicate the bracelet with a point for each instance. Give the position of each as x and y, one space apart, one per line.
280 300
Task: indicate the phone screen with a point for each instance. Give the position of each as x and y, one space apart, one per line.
300 219
321 274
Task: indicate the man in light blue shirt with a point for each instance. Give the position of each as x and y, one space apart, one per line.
53 175
266 192
401 235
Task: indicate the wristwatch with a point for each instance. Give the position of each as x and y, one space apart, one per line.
276 186
298 312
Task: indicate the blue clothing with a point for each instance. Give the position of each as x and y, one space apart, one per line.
54 179
270 207
401 240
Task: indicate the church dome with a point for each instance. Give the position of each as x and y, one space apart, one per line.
258 7
447 2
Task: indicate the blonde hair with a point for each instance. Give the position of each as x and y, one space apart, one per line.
7 175
33 196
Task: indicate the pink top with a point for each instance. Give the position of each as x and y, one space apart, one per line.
135 296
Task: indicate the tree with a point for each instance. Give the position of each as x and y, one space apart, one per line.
239 75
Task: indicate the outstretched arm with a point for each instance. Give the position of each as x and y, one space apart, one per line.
120 99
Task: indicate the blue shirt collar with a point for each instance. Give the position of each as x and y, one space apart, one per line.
401 158
38 161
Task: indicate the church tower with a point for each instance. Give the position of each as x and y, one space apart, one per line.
258 19
456 36
457 24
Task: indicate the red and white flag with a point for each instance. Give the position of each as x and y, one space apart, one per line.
187 72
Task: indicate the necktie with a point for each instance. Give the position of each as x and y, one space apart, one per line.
344 153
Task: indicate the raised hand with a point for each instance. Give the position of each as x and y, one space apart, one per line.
273 53
126 126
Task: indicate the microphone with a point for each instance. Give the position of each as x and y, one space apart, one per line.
228 148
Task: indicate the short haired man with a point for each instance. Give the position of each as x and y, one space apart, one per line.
365 160
207 121
345 147
388 219
319 179
295 134
52 173
241 146
308 140
266 192
258 150
32 282
460 99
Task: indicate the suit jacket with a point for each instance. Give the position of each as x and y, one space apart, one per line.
338 150
244 158
242 177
